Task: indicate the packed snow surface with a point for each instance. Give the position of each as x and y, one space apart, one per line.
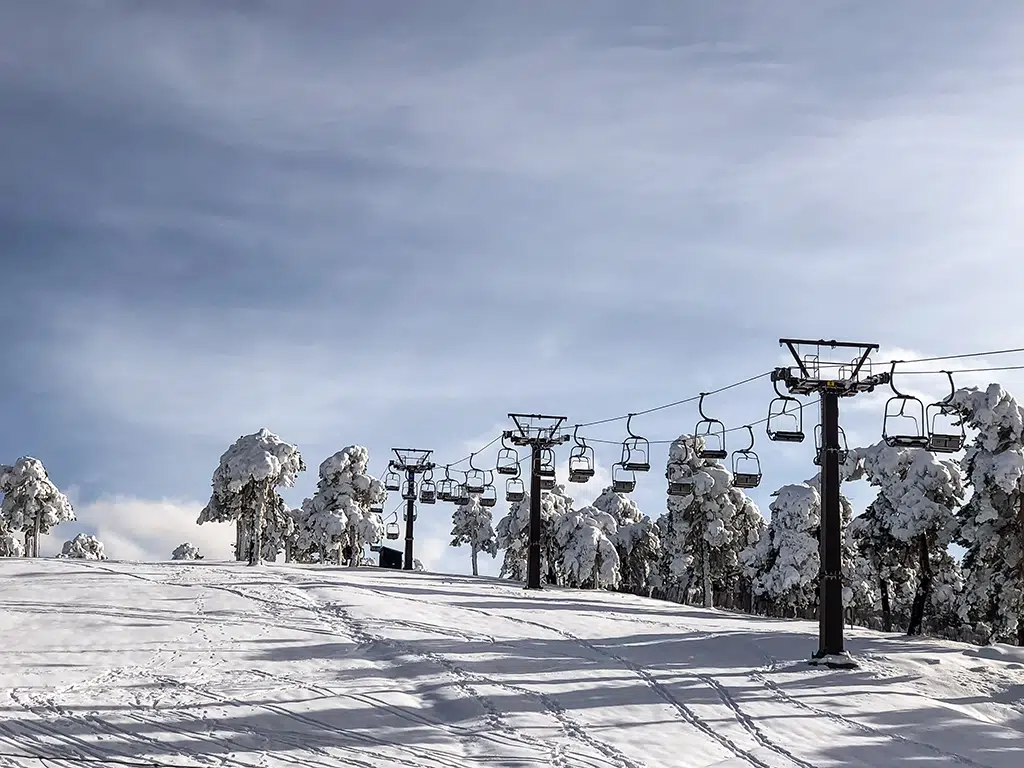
200 664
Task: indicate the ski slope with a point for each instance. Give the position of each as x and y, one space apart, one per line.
202 664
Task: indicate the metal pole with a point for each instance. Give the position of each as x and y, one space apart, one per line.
533 555
830 605
410 513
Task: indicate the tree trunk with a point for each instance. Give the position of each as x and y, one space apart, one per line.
924 588
705 564
472 555
256 545
883 585
239 543
355 551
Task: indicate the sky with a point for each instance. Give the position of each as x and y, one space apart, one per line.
394 224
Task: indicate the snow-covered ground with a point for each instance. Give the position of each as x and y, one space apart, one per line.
220 664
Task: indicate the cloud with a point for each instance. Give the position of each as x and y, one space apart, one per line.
144 529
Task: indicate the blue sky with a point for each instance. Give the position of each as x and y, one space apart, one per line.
393 224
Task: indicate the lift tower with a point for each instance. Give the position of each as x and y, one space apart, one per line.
541 433
830 380
412 461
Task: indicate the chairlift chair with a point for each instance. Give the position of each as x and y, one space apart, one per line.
896 417
547 483
446 487
409 491
391 531
377 507
547 463
636 450
950 435
581 460
844 448
392 480
711 429
508 460
428 490
623 480
746 466
680 486
489 497
785 423
405 515
515 490
461 495
475 478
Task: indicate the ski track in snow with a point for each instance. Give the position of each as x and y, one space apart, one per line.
161 719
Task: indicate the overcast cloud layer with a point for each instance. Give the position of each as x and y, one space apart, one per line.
392 224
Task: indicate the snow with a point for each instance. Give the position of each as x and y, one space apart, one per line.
203 664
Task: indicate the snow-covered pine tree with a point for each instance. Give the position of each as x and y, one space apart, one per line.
186 551
783 566
992 521
83 547
245 488
585 539
10 545
704 531
471 524
513 535
636 541
32 503
339 515
907 531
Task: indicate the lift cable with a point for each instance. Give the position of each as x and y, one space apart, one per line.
742 382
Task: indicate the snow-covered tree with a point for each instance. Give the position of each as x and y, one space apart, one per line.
339 515
784 565
245 489
906 532
83 547
586 544
705 530
992 521
32 503
636 541
186 551
513 535
10 545
471 524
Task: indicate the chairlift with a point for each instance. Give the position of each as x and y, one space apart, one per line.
461 495
428 490
623 480
409 491
950 435
746 466
475 478
446 487
508 460
515 490
896 416
711 429
391 531
636 451
489 497
680 486
844 448
785 423
405 515
581 460
377 508
547 463
392 480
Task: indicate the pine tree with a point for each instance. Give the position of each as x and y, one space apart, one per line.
32 503
471 524
992 521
